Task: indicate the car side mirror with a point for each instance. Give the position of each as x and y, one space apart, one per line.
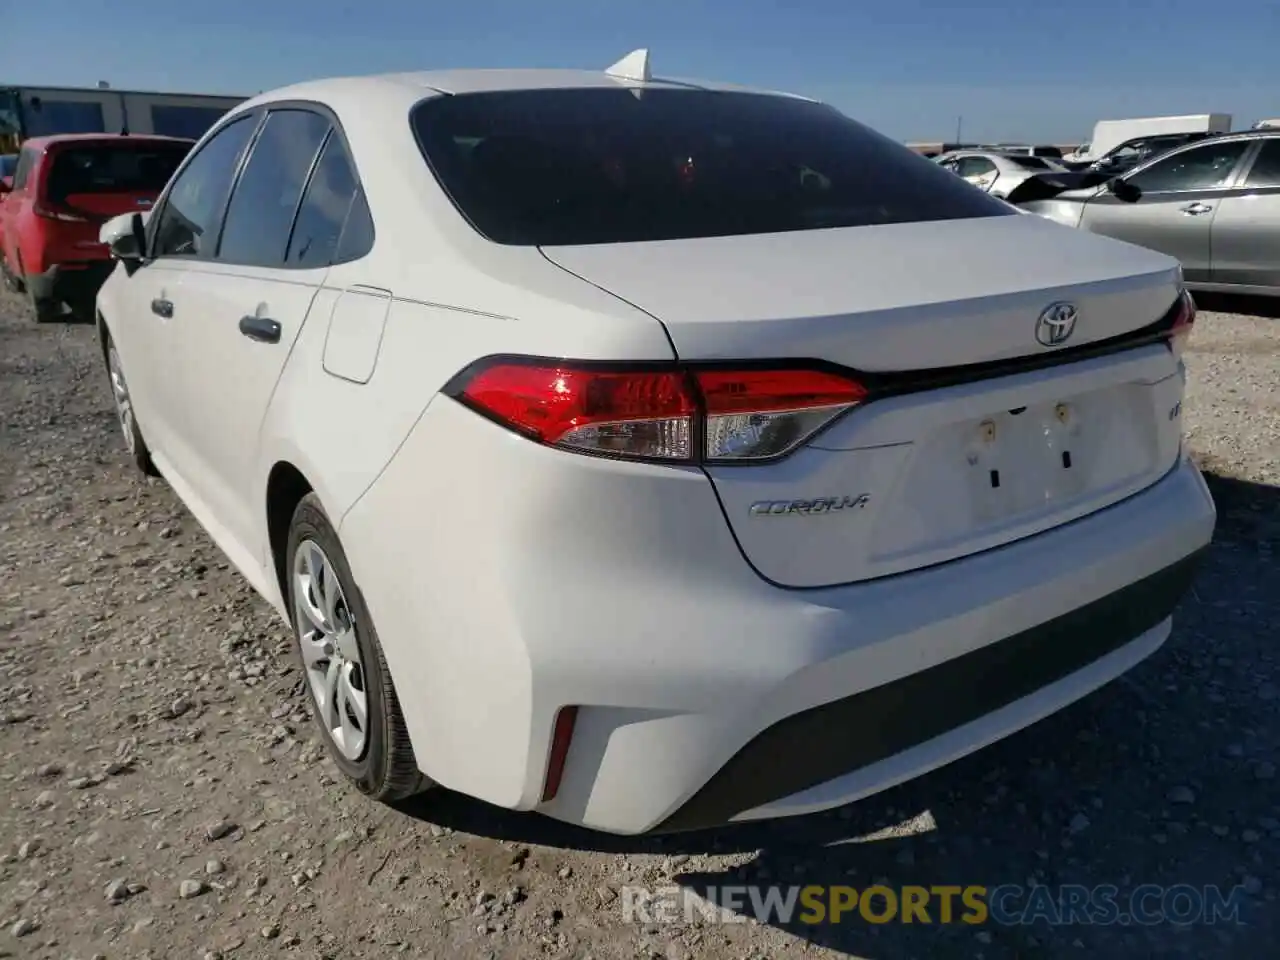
1124 191
123 236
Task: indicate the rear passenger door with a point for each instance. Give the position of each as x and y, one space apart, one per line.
248 304
1246 231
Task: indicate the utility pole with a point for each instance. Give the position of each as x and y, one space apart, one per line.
959 127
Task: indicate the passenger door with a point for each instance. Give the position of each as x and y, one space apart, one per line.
182 231
1246 230
1180 196
246 308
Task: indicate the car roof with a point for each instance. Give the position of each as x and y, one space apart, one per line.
58 139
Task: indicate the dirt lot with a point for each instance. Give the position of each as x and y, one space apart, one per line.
165 795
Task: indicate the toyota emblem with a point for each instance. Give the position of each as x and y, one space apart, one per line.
1056 324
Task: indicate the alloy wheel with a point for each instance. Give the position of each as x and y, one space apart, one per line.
330 652
120 393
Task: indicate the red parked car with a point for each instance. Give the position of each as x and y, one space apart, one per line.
8 163
63 189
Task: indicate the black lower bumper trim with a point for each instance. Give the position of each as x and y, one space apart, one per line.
834 739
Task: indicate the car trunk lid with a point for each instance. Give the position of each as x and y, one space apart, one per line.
973 438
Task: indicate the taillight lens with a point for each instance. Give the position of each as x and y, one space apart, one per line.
660 413
759 414
638 413
1184 320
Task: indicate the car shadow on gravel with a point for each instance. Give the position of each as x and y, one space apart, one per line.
1165 777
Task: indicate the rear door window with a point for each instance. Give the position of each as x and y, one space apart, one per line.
135 167
1265 171
265 200
324 208
606 165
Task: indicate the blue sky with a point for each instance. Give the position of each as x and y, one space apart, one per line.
1028 70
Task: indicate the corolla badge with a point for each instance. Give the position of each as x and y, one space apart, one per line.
817 507
1056 324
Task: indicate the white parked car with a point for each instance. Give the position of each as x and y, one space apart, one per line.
653 454
996 173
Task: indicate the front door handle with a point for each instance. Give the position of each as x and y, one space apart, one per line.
162 308
1195 209
262 329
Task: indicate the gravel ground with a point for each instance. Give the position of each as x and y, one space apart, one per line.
166 796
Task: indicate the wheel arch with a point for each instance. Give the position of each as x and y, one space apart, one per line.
286 486
104 334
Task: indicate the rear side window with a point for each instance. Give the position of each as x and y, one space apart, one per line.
1265 171
266 196
357 232
1029 163
324 208
113 167
578 166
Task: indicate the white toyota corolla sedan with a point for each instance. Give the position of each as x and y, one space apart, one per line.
653 454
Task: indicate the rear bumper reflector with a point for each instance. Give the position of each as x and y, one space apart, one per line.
561 737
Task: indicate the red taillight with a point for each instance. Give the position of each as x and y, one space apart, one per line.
631 413
57 213
1183 321
661 413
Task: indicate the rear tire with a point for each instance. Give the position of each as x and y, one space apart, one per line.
11 281
344 670
125 413
46 311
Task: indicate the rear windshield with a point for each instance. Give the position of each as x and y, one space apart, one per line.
589 166
114 168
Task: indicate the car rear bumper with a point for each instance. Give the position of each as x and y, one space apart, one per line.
704 693
76 284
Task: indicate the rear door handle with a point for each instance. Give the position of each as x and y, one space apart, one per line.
1195 209
262 329
162 308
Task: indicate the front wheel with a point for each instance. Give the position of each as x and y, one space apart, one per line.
347 678
125 413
